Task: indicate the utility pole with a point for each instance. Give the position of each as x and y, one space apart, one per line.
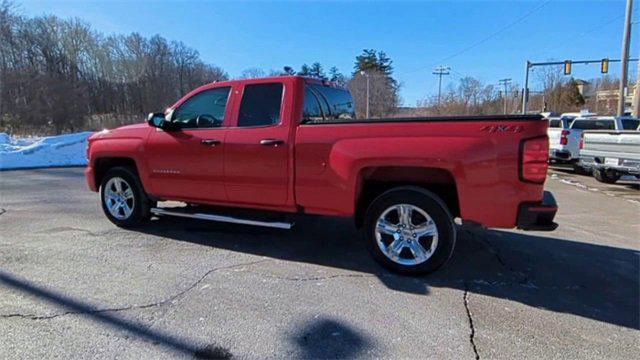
636 95
506 83
525 90
440 71
363 73
626 40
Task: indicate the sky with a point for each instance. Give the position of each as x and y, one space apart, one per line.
489 40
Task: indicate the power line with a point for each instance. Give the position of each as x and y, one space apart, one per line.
460 76
489 37
584 33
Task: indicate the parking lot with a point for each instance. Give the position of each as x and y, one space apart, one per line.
72 285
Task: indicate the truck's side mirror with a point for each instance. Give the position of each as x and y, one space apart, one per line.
156 119
159 120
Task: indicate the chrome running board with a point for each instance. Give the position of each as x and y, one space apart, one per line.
220 218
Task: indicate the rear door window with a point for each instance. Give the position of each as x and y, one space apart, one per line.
260 105
593 125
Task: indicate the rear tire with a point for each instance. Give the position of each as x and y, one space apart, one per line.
409 230
123 199
604 176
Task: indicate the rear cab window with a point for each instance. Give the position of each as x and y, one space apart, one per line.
555 123
311 111
594 124
324 103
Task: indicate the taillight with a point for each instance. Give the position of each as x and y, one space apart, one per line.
581 141
564 137
534 157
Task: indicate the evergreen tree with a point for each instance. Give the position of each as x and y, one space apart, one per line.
304 70
288 70
316 70
371 59
337 77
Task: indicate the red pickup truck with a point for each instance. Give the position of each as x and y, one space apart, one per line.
293 144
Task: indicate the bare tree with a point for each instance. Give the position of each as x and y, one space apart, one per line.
61 75
252 73
469 96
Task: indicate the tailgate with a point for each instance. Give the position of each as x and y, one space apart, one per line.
554 136
618 144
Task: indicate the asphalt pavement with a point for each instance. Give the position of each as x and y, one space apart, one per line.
72 285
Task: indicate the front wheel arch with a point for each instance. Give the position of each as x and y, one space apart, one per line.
141 204
102 165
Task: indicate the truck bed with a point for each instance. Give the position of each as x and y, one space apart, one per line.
478 155
471 118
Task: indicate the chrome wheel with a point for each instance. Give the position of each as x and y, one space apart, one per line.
118 198
406 234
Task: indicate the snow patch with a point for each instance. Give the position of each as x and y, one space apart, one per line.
36 152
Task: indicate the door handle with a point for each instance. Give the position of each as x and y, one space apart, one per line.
210 142
271 142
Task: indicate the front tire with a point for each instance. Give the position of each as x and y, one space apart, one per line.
604 176
123 199
409 230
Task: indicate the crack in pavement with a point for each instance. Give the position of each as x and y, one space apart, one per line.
472 329
316 278
132 307
528 285
88 232
2 211
523 278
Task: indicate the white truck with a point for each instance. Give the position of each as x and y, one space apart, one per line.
611 154
561 150
566 147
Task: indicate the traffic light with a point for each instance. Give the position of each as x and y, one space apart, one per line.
604 66
567 67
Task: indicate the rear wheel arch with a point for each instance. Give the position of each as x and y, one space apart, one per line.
373 182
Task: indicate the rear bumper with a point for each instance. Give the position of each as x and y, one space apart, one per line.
560 155
587 162
538 215
624 166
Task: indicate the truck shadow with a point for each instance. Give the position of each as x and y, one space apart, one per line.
328 338
560 275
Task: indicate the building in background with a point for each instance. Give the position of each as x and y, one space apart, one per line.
606 101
